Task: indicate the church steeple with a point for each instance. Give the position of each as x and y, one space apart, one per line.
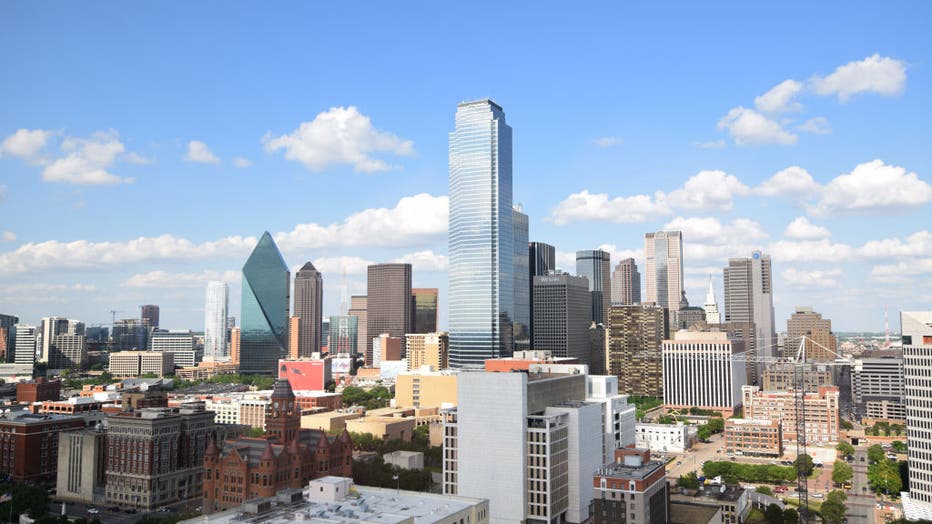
710 306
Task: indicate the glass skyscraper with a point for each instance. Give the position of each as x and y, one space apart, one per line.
480 236
596 265
344 332
215 320
265 300
425 309
522 285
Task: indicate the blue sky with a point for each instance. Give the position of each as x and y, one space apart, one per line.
144 148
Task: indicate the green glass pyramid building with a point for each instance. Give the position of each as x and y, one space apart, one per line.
264 315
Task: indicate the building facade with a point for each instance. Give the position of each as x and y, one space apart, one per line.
562 314
916 329
596 266
344 335
388 300
522 281
820 340
29 444
821 416
878 382
632 489
663 281
754 437
481 302
706 354
216 306
308 308
130 333
25 344
67 351
359 305
428 349
82 465
663 438
626 283
425 309
635 337
136 363
265 304
150 312
749 298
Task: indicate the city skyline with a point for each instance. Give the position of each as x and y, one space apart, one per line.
813 154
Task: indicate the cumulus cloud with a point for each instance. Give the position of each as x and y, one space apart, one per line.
340 135
748 127
8 236
901 271
200 153
793 181
817 126
597 206
335 266
136 158
26 144
565 261
425 260
810 251
165 280
811 279
780 99
241 162
874 74
873 186
919 244
15 289
708 191
87 160
802 229
708 238
608 141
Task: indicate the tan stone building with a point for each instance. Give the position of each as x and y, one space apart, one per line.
330 421
755 437
806 322
782 376
821 411
417 389
428 349
136 363
635 336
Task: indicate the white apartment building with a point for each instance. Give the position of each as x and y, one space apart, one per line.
664 438
916 327
698 370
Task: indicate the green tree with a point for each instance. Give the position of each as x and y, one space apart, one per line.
885 476
841 472
845 449
875 453
846 424
804 464
790 516
773 514
256 432
764 490
898 446
833 509
353 395
688 481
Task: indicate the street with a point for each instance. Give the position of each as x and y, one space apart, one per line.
861 499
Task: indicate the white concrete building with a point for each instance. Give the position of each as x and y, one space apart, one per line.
916 327
664 438
413 460
698 370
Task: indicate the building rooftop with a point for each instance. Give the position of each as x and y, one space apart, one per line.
620 470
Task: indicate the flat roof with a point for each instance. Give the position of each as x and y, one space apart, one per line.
620 470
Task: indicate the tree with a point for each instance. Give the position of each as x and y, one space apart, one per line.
773 514
764 490
353 395
875 453
804 464
256 432
898 446
841 472
688 481
846 424
845 449
885 476
790 516
833 509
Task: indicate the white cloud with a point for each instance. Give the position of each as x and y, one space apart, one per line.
241 162
901 271
708 239
87 160
811 279
873 186
332 267
708 191
566 261
200 153
810 251
136 158
165 280
588 206
41 288
919 244
608 141
425 260
793 181
748 127
818 126
802 229
8 236
26 144
340 135
711 144
780 98
875 74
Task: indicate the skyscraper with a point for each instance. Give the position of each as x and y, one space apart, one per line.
24 347
130 333
541 261
8 336
388 302
663 252
626 283
480 235
635 337
216 303
820 340
308 306
916 329
425 309
265 304
522 289
749 297
150 312
596 265
344 333
359 305
562 316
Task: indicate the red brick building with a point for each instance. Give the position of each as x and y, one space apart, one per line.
287 457
29 444
38 390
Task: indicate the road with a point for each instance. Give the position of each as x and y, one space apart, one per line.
76 510
692 460
861 499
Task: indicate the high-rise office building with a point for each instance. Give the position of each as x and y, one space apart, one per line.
820 340
265 305
425 309
481 301
359 308
344 333
151 313
7 337
663 283
522 284
541 261
698 370
562 316
596 265
130 333
24 346
428 349
216 304
626 283
916 329
308 307
49 329
389 301
67 352
635 337
749 297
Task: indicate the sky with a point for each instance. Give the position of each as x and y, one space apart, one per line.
145 147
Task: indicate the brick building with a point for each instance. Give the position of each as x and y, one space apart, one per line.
29 444
755 437
38 390
821 411
632 489
287 457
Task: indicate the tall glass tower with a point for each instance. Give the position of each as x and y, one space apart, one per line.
481 246
264 316
215 320
522 288
595 265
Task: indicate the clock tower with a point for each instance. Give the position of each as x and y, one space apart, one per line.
282 417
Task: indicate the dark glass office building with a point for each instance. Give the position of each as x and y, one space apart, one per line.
264 316
425 309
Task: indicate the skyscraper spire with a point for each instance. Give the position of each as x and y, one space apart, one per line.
710 306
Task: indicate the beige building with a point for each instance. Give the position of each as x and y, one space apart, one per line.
235 336
428 349
806 322
386 424
329 421
663 249
821 411
782 376
635 336
252 412
417 389
756 437
294 335
136 363
82 465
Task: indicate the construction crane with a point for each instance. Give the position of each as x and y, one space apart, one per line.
113 313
